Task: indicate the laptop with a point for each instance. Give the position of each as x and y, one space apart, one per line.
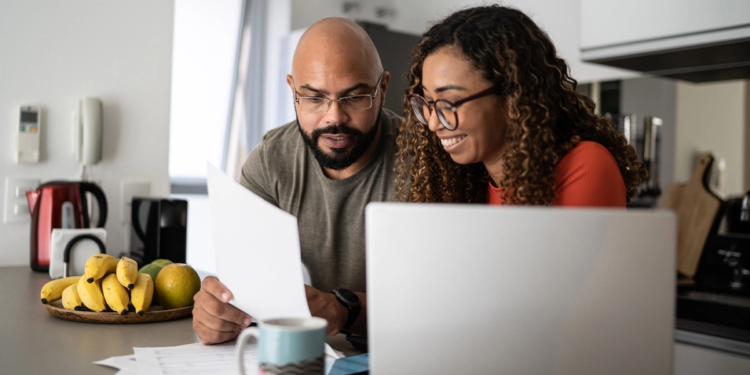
470 289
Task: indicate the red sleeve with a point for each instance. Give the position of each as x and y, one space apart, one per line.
588 176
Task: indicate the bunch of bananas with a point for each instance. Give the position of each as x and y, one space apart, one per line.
106 283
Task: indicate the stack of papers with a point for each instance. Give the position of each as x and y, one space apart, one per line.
194 359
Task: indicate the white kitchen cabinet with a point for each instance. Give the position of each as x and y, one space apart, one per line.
694 360
693 40
615 22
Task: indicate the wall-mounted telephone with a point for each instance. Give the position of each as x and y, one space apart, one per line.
87 131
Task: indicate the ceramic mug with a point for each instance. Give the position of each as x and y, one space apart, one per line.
287 346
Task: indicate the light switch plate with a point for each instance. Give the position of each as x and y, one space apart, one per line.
128 190
15 205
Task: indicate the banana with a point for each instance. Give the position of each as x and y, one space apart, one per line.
127 272
142 293
115 294
91 294
98 266
53 290
70 298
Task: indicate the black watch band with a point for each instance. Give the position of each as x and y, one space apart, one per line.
351 301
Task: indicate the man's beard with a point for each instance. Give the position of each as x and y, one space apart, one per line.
341 159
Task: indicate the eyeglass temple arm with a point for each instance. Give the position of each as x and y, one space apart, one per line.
491 90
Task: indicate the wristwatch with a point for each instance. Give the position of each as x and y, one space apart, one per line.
352 303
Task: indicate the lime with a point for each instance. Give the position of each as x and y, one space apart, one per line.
151 269
176 285
162 262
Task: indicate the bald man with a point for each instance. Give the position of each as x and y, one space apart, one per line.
323 168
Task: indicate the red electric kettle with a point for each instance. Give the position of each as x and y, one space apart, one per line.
59 204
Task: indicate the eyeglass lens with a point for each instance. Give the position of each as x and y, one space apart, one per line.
357 103
422 111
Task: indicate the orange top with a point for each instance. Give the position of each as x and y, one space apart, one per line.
587 176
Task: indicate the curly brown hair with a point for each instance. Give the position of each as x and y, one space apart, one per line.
547 116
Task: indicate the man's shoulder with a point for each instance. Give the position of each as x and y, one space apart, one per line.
392 121
284 133
283 141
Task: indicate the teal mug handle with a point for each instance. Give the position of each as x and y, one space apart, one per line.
241 341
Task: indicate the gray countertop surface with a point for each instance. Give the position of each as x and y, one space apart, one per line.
34 342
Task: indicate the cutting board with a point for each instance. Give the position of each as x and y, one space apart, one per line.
696 209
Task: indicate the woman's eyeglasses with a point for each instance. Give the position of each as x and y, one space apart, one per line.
446 109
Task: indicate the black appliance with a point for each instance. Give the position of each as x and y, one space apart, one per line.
717 300
158 230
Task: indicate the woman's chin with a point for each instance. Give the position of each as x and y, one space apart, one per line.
462 158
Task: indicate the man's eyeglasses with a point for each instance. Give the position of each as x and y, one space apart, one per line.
320 104
446 109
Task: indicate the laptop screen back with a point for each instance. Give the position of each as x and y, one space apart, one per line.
485 290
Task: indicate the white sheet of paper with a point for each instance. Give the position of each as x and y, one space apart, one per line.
194 359
257 251
199 359
124 363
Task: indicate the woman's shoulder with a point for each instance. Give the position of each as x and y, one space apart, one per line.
585 149
588 155
589 175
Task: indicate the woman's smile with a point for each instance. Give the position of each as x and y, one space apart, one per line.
450 144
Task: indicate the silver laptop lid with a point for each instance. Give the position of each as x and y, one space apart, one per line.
486 290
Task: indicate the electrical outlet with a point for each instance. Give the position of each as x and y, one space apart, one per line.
16 208
128 190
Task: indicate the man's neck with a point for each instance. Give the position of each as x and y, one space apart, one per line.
359 164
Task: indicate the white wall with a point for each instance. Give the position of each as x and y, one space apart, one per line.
559 18
711 117
54 52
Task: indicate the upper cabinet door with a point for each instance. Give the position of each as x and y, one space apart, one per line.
693 40
615 22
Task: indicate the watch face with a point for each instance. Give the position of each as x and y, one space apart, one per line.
348 296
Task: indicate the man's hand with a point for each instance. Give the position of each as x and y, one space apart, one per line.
326 306
214 319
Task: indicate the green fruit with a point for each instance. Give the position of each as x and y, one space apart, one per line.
151 269
162 262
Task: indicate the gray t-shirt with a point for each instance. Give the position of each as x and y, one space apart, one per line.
330 213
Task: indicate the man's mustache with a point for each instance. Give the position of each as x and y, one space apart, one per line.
335 129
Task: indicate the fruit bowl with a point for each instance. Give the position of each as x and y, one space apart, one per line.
155 314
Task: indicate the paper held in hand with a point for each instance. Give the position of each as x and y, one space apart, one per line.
257 251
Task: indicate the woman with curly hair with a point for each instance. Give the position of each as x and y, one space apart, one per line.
493 116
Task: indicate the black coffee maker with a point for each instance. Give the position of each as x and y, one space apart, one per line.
158 230
725 262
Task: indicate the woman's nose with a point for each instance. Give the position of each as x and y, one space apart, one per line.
433 122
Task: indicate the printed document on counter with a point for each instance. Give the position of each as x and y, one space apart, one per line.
194 359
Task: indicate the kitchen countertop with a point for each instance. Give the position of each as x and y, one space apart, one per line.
34 342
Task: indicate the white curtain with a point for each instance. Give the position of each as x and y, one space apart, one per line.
246 107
